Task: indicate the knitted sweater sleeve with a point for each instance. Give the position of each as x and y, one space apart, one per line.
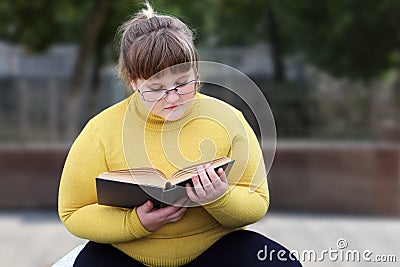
246 201
77 201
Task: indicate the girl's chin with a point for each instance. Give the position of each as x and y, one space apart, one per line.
172 115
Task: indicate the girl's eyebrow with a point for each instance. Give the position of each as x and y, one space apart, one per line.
161 84
155 84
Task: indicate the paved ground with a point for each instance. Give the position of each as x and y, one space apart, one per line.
38 239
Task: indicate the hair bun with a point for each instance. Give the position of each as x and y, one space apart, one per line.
151 42
148 12
153 24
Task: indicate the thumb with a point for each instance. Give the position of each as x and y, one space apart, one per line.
148 206
222 175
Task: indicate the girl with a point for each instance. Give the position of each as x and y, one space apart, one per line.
167 124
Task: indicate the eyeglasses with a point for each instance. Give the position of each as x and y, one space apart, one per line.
159 94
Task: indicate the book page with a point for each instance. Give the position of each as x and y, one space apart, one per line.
187 172
144 176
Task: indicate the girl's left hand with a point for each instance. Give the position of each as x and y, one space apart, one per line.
208 185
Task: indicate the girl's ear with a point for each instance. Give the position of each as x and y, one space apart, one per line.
133 85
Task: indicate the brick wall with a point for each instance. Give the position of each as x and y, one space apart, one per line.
29 176
325 177
337 178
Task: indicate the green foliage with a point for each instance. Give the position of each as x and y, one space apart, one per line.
241 22
71 17
118 13
350 38
22 22
198 15
37 24
355 38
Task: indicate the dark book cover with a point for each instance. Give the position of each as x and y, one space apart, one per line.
127 194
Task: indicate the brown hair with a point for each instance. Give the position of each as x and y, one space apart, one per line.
151 43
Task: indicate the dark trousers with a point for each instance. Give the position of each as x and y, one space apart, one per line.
237 249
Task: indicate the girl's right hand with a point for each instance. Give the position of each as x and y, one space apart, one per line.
153 219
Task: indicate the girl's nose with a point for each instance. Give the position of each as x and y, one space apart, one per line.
172 96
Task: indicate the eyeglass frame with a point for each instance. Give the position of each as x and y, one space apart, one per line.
166 91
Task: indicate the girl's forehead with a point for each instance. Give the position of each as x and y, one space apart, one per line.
167 76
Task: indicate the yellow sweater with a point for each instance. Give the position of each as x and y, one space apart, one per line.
126 136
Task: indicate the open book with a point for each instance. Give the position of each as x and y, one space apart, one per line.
133 187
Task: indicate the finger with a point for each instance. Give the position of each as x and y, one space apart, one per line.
196 181
174 207
177 215
222 175
221 184
189 191
164 213
177 211
212 174
181 202
207 165
146 207
206 182
188 203
198 188
203 176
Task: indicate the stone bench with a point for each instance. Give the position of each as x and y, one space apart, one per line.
69 259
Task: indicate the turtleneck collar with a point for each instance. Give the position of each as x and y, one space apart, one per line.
155 123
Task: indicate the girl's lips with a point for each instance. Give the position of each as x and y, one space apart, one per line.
171 107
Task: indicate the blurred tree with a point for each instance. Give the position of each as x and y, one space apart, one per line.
22 22
198 15
353 38
86 49
38 24
241 23
347 38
